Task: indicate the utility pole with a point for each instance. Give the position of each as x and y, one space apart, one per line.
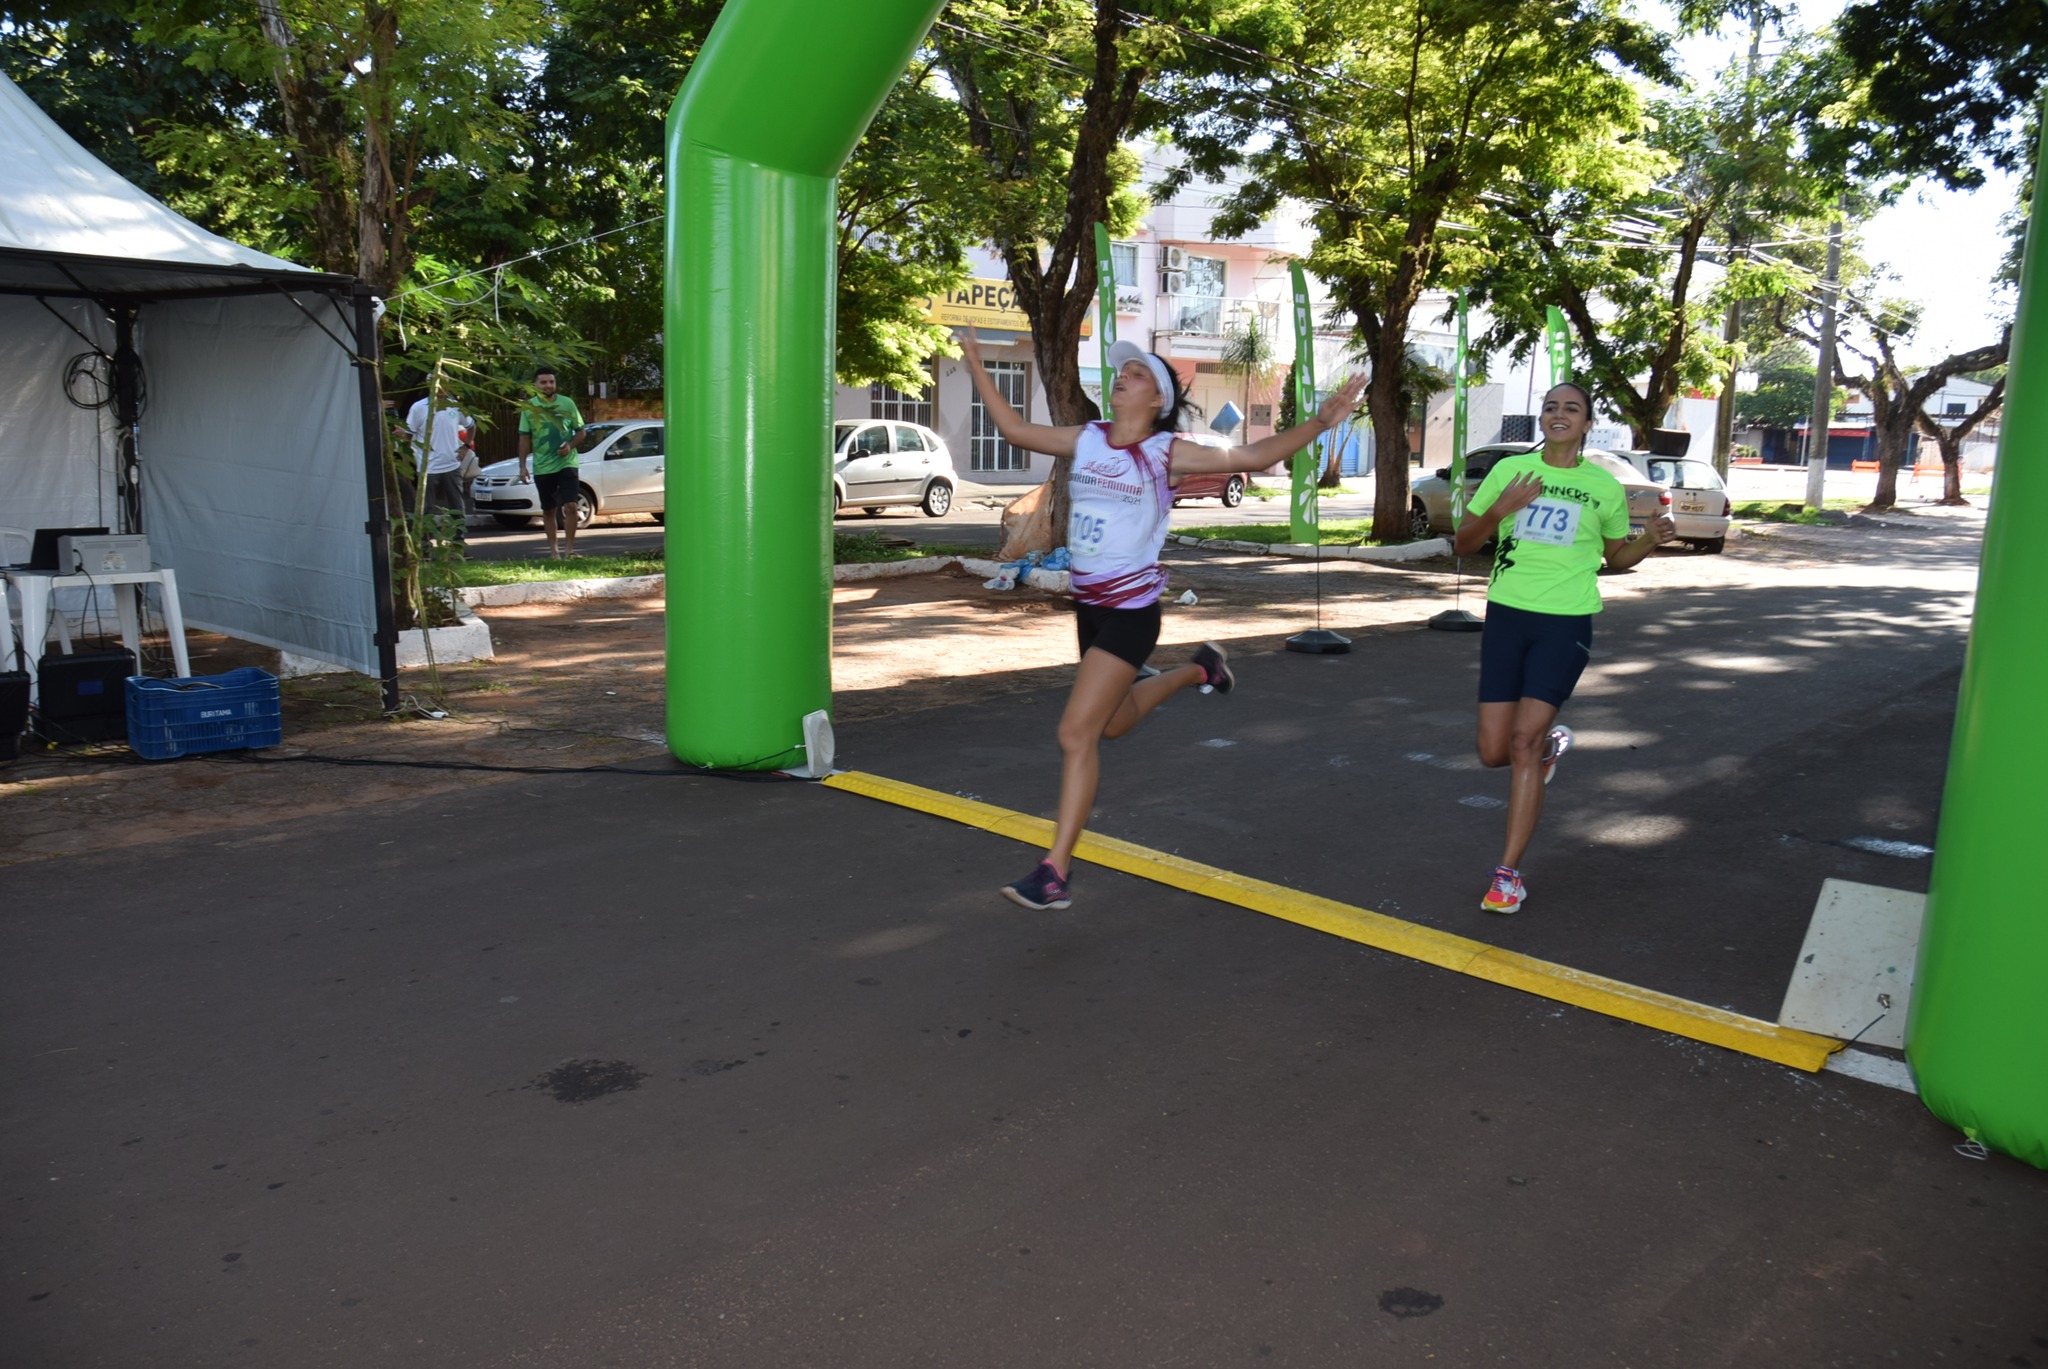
1824 375
1731 326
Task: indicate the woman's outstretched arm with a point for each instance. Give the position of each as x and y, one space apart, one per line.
1037 437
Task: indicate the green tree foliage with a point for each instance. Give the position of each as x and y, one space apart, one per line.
85 66
1783 397
1050 90
1929 86
1617 238
386 116
1397 121
1872 330
906 212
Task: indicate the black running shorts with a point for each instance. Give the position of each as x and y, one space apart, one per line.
555 488
1529 655
1129 634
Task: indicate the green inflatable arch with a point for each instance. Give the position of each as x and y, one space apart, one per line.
1977 1031
769 113
771 109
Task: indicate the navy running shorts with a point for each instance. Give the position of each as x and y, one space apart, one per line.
1529 655
1129 634
555 488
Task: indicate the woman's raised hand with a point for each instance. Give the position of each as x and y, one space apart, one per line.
1339 405
1519 493
970 345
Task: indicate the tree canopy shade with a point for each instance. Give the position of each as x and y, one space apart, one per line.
1398 122
1936 84
1616 236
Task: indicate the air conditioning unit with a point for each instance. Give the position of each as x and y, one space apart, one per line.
1176 259
1172 282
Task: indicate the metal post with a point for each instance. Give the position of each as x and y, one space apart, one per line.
379 524
1824 376
127 417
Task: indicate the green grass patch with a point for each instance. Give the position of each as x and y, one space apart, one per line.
572 568
1787 512
848 549
866 548
1335 532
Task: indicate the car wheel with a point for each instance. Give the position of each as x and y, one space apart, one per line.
836 501
1233 492
658 517
586 506
511 520
1712 546
1418 521
938 498
874 511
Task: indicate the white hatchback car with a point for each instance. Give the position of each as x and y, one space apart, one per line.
878 463
619 470
1700 503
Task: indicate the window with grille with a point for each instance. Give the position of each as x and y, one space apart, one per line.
886 401
986 449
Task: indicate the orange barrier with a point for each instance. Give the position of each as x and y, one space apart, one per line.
1863 465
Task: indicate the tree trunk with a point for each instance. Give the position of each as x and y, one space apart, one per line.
1952 475
1389 444
377 209
317 125
1891 451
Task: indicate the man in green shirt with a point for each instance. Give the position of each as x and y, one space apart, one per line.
1555 516
549 429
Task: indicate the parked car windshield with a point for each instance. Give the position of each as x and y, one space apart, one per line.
1685 474
596 433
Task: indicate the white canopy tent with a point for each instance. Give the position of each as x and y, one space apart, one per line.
168 381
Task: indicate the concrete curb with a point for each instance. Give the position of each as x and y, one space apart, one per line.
560 591
1410 551
468 640
633 586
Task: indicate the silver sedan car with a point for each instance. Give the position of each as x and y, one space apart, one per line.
619 470
1429 506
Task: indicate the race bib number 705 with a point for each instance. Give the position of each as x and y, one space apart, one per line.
1085 532
1552 522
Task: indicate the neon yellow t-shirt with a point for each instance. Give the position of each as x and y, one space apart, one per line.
1547 557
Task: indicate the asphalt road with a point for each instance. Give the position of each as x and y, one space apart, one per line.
971 523
653 1070
975 518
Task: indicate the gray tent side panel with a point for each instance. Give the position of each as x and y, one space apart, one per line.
253 475
56 459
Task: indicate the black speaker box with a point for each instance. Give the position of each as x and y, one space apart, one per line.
1669 442
83 696
13 711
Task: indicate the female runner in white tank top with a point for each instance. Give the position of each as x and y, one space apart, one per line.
1121 487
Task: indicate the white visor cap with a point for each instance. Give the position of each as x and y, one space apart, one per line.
1121 352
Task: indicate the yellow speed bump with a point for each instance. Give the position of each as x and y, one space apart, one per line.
1679 1016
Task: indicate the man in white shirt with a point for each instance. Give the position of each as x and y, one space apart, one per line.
441 450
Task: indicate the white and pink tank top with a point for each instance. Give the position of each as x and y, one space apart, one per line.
1120 502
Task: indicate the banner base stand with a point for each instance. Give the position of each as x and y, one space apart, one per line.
1456 620
1319 642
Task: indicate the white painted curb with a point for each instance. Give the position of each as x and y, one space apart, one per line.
560 591
468 640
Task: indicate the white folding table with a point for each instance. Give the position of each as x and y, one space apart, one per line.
33 589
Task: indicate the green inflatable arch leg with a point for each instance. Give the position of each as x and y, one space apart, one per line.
1977 1032
768 114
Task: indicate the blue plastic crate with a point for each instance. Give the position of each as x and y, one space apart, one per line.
235 711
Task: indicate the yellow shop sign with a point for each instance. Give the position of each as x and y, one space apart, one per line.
985 304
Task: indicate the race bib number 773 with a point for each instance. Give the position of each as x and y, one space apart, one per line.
1552 522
